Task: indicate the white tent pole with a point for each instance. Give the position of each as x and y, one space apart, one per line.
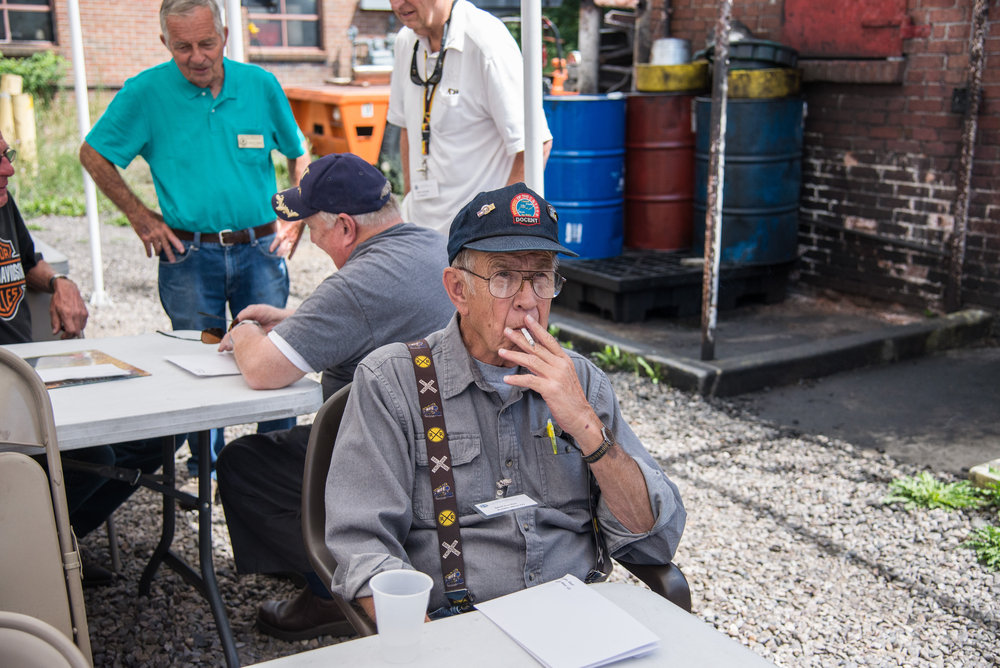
531 51
234 21
98 297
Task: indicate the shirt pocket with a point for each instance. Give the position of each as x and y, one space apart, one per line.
468 467
564 476
252 147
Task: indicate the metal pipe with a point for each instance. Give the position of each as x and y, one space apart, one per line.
531 50
716 172
956 245
97 297
234 21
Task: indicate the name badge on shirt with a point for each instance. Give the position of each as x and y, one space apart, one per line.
505 505
427 189
250 141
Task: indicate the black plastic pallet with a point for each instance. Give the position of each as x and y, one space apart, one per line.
640 284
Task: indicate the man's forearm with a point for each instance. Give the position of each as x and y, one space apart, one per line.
263 366
110 181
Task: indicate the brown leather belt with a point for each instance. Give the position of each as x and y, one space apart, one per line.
228 237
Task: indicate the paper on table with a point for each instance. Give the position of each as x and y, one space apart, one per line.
208 363
56 374
566 624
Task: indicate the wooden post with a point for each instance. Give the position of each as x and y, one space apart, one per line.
24 131
716 173
590 47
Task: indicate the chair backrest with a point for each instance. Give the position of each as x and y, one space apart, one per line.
27 425
29 642
321 439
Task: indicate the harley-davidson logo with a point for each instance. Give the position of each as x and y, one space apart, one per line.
12 283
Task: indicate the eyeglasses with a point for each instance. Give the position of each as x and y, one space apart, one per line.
505 283
209 334
10 154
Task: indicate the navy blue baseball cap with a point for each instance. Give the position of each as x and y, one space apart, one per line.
513 218
336 183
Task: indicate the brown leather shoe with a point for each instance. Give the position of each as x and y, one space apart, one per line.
304 617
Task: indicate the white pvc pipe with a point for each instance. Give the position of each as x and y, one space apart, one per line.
531 50
234 21
98 296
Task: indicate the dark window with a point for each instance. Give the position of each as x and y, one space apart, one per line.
283 23
26 21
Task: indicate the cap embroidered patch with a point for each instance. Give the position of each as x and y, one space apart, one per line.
525 210
485 209
281 207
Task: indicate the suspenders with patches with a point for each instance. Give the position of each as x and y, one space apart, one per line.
442 478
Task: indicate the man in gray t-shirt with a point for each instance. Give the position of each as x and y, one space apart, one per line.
387 288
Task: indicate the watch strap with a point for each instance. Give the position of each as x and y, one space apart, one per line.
602 450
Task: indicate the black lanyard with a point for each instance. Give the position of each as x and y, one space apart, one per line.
430 84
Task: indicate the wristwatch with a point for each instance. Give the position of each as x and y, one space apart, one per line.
602 450
52 281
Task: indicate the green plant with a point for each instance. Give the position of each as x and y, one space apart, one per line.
991 494
613 358
555 331
40 72
986 543
925 491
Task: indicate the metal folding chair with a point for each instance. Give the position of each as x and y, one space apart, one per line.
28 642
40 570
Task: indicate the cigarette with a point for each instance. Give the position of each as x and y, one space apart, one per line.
527 335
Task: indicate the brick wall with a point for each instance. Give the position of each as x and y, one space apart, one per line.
881 161
122 38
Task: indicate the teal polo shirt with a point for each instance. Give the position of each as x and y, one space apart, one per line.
210 158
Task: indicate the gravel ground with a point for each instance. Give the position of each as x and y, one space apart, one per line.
787 548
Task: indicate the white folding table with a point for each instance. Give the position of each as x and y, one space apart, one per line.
472 639
167 402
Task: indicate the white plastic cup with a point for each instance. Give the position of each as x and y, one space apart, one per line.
400 608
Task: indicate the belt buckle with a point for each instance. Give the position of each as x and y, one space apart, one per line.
222 241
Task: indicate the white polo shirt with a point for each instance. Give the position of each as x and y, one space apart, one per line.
477 114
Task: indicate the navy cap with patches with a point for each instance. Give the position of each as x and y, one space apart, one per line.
336 183
513 218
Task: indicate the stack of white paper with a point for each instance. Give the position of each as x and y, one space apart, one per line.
566 624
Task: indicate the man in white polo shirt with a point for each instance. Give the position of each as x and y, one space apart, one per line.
471 91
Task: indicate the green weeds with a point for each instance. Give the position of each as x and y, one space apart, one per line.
613 358
985 541
925 491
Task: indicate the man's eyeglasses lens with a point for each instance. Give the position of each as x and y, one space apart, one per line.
506 284
11 155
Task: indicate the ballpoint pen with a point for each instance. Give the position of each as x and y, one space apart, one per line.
552 436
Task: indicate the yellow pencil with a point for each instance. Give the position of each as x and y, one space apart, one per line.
552 436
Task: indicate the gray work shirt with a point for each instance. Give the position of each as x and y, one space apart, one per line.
380 512
389 288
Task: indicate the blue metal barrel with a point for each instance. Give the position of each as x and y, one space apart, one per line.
585 174
760 198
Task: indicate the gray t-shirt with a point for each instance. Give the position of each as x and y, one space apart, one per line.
388 290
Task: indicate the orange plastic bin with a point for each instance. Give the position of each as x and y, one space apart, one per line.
339 119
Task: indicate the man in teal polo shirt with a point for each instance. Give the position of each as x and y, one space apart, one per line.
206 125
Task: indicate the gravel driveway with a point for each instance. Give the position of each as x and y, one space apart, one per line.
787 548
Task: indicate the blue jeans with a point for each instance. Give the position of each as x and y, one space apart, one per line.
207 277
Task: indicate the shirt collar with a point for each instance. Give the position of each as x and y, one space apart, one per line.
192 91
455 367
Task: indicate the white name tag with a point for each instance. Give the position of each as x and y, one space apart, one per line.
505 505
425 189
250 141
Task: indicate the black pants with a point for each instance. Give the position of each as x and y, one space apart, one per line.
91 498
260 483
